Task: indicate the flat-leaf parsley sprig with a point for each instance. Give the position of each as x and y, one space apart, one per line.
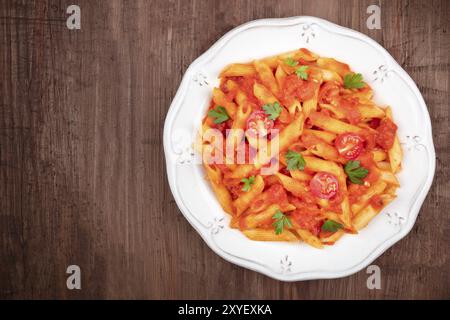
219 113
355 172
272 110
248 182
301 72
295 160
281 221
331 226
353 81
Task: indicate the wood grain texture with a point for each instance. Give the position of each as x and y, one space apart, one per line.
82 173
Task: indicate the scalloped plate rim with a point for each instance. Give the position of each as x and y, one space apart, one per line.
309 275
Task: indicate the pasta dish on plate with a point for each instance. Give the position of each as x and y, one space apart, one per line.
295 149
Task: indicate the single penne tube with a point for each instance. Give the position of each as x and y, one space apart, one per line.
231 85
272 62
324 135
296 187
310 105
330 215
330 75
262 218
241 171
294 107
238 70
333 125
363 218
375 189
333 238
395 152
370 111
384 165
241 98
222 194
309 238
388 177
243 202
280 75
395 155
266 76
220 99
347 214
300 175
332 64
234 222
242 113
325 151
291 133
364 96
315 164
337 112
236 135
387 198
391 190
269 235
263 94
378 155
323 203
305 54
254 220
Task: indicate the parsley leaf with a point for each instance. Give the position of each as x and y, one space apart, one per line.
290 62
248 183
295 160
273 110
220 114
355 172
301 72
281 221
353 81
331 226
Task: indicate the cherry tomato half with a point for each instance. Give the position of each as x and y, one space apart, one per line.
349 145
258 124
324 185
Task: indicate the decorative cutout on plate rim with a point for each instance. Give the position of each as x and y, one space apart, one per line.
285 264
201 79
395 219
182 147
381 73
216 225
307 32
413 142
186 156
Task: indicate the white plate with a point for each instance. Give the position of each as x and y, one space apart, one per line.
392 86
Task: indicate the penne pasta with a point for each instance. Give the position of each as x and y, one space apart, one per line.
244 201
317 157
238 70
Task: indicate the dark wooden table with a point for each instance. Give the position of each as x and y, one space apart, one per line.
82 173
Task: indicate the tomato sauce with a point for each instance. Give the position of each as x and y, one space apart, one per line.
296 88
277 194
328 92
376 202
348 106
366 161
355 191
308 217
386 134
